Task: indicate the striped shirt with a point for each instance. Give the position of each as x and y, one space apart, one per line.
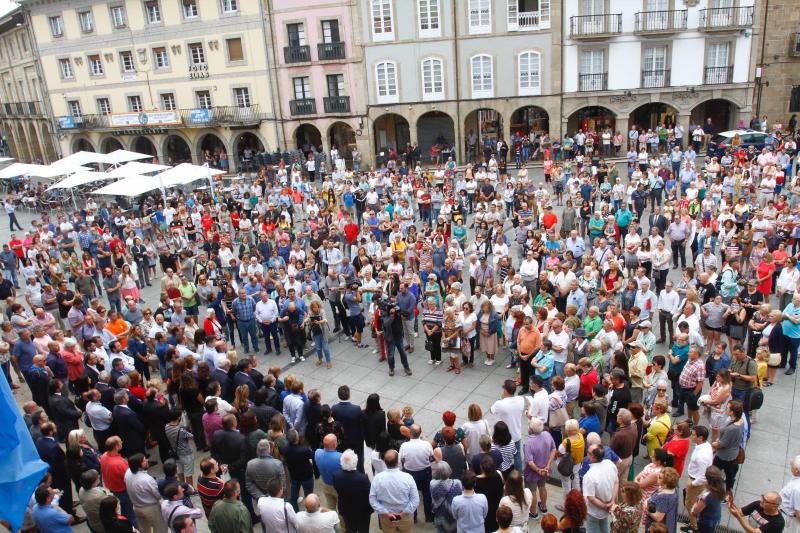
210 489
434 317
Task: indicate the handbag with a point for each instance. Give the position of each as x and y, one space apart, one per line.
558 417
428 345
774 359
740 457
567 463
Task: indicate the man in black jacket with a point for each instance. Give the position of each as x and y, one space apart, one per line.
52 454
128 426
263 411
155 416
65 414
106 390
220 375
353 487
229 447
349 416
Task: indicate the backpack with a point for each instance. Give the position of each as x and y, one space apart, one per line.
567 463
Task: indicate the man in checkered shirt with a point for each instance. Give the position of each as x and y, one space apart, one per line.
691 383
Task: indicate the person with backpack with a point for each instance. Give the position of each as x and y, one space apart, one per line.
173 507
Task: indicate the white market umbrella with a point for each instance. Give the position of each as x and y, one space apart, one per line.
135 168
118 157
186 173
80 178
131 186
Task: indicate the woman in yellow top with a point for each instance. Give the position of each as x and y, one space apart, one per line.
399 248
659 428
576 449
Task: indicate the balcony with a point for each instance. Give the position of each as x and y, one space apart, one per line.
189 118
718 75
297 54
660 22
593 82
595 26
21 110
794 41
726 18
330 51
303 106
336 104
652 79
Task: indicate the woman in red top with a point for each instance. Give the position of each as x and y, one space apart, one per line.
766 269
588 380
211 326
678 445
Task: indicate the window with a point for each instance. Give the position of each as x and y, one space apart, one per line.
482 77
794 99
161 57
591 70
302 87
382 26
203 99
86 21
429 18
65 65
118 16
656 5
432 79
95 65
126 61
592 7
528 14
718 54
135 104
654 67
386 82
330 31
530 80
229 6
190 10
235 51
152 11
168 102
103 106
56 26
241 96
297 34
196 53
480 16
75 108
335 84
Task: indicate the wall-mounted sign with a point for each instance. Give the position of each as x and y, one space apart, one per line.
128 76
140 131
198 72
200 116
66 123
145 118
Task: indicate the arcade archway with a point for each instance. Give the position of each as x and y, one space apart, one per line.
591 118
306 137
82 145
247 147
436 128
487 125
342 136
721 112
177 150
653 115
110 144
144 145
530 121
212 149
391 133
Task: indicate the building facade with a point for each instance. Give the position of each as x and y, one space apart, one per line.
182 80
777 91
456 71
23 114
319 75
664 60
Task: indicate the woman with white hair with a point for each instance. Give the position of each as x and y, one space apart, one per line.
443 490
80 455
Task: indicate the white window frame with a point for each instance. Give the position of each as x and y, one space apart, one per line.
241 97
432 89
480 89
386 91
190 15
166 64
529 81
147 12
304 84
200 96
96 72
86 21
56 24
119 17
479 15
168 101
122 65
385 30
430 18
135 104
100 106
591 85
201 56
74 107
229 6
67 73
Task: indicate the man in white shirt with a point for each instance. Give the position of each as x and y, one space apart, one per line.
267 318
600 485
539 403
416 458
790 497
315 519
668 302
509 409
702 457
529 270
690 318
560 340
645 300
276 513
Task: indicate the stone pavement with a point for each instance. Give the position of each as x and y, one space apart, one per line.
431 390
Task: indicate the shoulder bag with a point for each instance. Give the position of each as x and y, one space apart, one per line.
567 463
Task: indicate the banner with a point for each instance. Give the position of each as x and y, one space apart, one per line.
145 118
200 116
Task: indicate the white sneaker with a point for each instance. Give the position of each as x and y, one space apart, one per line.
490 362
374 352
416 334
430 361
294 360
486 362
302 358
438 363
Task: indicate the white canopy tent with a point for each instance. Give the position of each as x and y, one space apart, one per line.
135 168
54 171
131 186
16 169
80 178
118 157
82 158
186 173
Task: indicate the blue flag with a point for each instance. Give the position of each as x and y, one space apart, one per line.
19 461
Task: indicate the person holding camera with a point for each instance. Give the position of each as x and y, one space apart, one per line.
318 326
392 328
355 316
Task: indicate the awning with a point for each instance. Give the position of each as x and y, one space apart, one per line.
186 173
123 156
135 168
132 186
80 178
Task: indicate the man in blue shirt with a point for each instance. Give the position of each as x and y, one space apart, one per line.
394 496
50 518
623 218
329 463
470 509
244 309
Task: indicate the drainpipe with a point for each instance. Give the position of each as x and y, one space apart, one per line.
44 92
561 131
277 109
457 63
760 80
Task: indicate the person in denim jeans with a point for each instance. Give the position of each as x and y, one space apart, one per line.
319 326
298 459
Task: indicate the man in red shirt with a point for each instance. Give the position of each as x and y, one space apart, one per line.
549 219
17 245
112 468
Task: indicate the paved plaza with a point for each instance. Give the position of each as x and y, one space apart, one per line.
431 390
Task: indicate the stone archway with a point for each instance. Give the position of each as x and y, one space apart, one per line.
342 136
214 151
308 137
176 150
436 128
591 118
110 144
487 125
723 113
144 145
530 120
36 148
391 132
652 115
82 144
247 148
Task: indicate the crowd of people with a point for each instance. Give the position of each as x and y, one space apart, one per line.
609 352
